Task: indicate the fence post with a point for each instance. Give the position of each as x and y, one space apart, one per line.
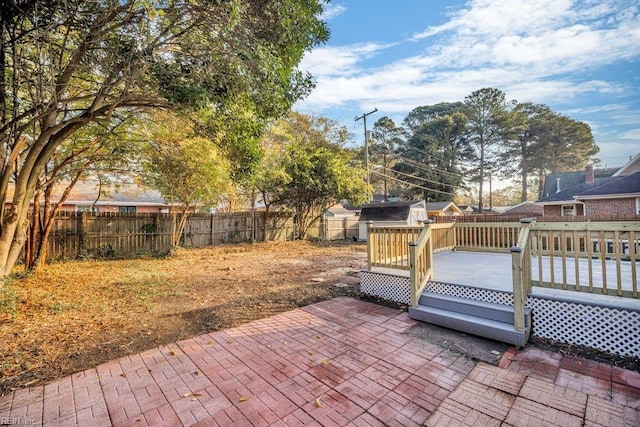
211 228
80 228
370 245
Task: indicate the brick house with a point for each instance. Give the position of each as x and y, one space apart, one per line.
594 192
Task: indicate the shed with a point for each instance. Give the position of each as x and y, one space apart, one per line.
390 214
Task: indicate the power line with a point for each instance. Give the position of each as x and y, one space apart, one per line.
435 156
423 167
422 179
411 184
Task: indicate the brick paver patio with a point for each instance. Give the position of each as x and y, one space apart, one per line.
339 362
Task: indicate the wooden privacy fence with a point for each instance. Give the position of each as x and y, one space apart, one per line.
119 235
111 235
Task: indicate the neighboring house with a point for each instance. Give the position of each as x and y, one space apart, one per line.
127 198
594 192
471 209
379 197
339 211
442 209
524 209
391 214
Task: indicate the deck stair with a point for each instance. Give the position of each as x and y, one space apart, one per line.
485 319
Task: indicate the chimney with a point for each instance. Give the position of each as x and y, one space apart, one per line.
558 185
590 177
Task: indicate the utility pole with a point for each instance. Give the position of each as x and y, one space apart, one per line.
366 142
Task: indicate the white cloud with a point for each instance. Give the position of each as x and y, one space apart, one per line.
342 60
538 51
331 11
631 135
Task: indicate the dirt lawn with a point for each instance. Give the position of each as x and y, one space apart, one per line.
76 315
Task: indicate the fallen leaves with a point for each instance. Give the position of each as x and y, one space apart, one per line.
318 403
134 305
192 395
243 399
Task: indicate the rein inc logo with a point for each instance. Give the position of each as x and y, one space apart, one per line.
17 421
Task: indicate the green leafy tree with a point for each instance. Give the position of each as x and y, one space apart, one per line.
69 63
564 145
430 157
189 171
387 137
487 112
310 170
539 140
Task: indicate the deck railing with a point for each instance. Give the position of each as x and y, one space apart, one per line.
486 236
443 237
388 247
421 263
521 273
552 255
608 251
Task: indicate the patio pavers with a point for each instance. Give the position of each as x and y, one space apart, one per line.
338 362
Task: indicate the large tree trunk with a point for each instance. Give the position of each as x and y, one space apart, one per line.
480 206
524 196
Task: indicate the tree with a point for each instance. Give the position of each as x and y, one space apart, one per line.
386 139
486 111
430 157
311 169
186 169
520 135
539 140
99 151
69 63
563 145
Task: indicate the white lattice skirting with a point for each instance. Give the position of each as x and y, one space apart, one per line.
610 329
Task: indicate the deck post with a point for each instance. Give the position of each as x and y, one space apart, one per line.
518 289
370 246
521 273
413 276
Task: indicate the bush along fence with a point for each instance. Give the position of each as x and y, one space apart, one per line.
121 235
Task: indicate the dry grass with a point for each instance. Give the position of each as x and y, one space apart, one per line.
76 315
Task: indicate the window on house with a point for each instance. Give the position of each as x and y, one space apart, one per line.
127 209
568 210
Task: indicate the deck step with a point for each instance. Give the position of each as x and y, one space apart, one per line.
471 307
485 319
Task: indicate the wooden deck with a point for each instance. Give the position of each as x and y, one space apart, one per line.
493 271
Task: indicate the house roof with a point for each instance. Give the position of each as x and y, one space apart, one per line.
391 211
340 210
569 180
524 207
632 166
617 186
442 206
571 192
86 193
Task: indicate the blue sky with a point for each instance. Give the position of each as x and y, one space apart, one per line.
579 57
